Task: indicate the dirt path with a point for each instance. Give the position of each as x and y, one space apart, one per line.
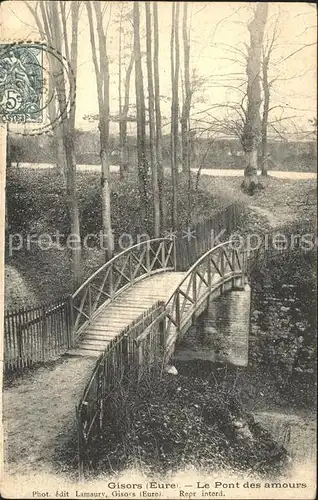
272 219
211 172
40 409
40 412
297 432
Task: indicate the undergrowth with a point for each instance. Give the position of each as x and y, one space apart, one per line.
284 321
163 426
37 205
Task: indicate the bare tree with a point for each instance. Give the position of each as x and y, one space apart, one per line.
42 22
102 84
51 18
158 115
123 100
252 128
152 134
268 83
141 119
185 116
175 68
266 90
123 119
57 136
233 120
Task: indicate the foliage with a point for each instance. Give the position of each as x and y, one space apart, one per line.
37 202
17 290
284 322
37 205
179 421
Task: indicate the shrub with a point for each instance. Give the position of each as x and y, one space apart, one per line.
284 322
168 424
37 202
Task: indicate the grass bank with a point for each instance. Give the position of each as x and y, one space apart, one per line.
163 426
37 205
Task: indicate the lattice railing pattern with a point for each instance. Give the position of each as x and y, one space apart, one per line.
119 273
218 266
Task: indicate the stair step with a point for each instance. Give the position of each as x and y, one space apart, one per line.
132 305
101 330
98 333
106 337
132 298
120 314
93 336
149 295
91 350
130 309
94 345
102 327
84 353
113 324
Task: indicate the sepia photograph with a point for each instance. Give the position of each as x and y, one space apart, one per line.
158 187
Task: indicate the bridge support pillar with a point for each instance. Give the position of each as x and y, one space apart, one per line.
227 323
221 333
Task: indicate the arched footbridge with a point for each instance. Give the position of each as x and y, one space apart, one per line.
136 279
114 297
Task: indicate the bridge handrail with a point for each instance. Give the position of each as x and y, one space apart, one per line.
199 285
197 264
117 257
129 266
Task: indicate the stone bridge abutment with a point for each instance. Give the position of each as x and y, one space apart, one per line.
221 332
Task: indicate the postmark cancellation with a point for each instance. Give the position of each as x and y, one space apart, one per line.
21 83
37 87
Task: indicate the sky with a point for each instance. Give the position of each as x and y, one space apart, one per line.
218 35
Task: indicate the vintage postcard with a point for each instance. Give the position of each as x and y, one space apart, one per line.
158 248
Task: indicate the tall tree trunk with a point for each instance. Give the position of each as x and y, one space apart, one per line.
141 122
57 141
44 25
58 149
251 136
68 127
185 116
104 136
152 135
122 131
264 144
102 84
177 71
71 163
158 116
175 61
53 23
73 206
123 167
123 145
